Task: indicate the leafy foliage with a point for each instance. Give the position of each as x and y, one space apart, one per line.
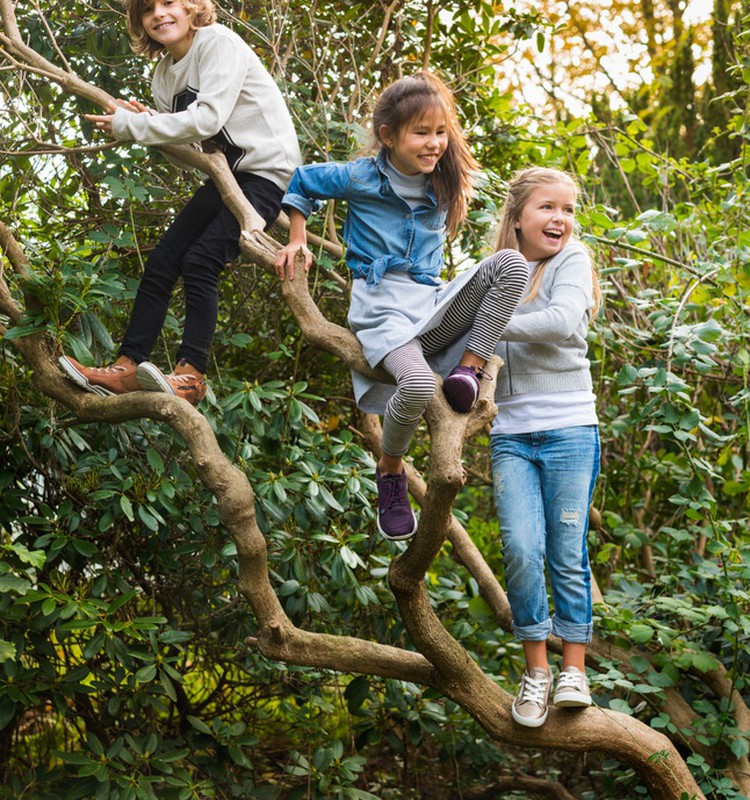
127 662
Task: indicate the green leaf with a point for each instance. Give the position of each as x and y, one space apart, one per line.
156 462
34 557
146 674
704 662
739 747
121 601
640 634
148 519
48 606
7 651
636 235
480 610
621 705
356 693
198 724
168 687
127 507
12 583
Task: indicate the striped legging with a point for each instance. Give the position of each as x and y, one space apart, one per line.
482 307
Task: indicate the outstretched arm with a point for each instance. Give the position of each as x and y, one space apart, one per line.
104 121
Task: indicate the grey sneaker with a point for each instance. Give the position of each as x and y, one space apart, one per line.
572 689
530 706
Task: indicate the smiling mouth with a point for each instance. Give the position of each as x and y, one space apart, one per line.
161 25
554 235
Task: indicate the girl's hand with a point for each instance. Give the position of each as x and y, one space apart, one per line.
104 121
285 259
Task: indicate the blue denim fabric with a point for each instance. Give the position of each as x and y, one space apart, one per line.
381 231
543 485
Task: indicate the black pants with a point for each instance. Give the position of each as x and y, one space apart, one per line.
197 245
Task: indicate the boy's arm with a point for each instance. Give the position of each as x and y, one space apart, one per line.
222 65
104 121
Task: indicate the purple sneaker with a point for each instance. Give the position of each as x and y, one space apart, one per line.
461 388
396 519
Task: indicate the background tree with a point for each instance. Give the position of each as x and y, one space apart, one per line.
147 655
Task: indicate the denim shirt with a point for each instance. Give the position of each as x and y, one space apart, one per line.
381 232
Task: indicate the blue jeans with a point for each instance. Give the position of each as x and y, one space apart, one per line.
543 486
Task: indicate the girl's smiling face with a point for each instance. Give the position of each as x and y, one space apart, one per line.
419 145
168 23
545 223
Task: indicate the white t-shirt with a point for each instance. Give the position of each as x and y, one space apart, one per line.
530 413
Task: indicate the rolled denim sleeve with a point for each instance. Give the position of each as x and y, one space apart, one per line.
313 183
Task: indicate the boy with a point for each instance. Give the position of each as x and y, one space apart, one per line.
209 85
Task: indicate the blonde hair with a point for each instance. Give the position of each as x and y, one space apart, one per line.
201 13
411 98
520 188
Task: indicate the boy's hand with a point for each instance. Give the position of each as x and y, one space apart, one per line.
104 121
286 256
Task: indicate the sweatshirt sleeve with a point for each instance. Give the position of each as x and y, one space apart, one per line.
555 323
222 65
568 298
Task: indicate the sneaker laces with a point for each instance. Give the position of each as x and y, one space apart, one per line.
184 377
534 690
569 680
111 370
395 493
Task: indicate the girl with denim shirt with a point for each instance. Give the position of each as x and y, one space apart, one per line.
544 440
399 205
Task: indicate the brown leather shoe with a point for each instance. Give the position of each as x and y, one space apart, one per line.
185 381
104 381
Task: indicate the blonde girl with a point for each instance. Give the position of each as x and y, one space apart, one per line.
545 441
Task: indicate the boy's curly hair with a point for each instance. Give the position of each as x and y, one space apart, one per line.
201 13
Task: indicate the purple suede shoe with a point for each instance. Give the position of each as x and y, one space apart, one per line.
396 520
461 388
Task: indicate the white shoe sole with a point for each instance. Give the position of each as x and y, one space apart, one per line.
400 537
152 379
529 722
81 380
572 700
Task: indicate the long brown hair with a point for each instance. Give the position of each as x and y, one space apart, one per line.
520 189
201 13
410 99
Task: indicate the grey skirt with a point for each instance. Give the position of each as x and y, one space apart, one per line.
396 311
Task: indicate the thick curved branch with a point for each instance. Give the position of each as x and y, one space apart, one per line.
236 506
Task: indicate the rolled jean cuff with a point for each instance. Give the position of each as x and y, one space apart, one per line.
575 632
539 632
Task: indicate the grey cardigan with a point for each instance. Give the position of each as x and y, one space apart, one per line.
544 345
